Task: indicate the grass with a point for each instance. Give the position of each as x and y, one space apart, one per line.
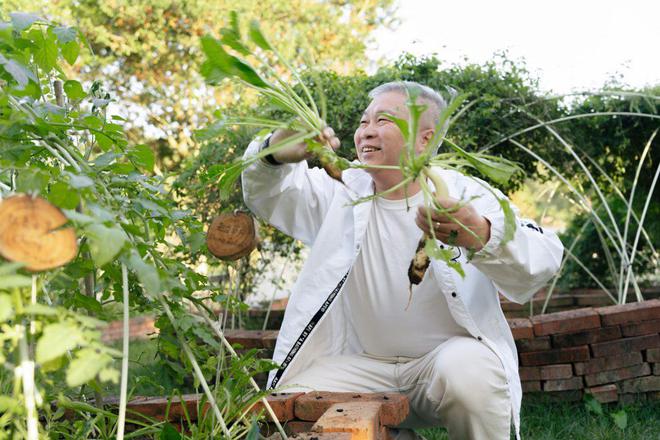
544 419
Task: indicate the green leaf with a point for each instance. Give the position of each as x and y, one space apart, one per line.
253 433
6 308
56 340
74 90
495 168
104 242
65 34
88 303
70 51
46 54
109 375
33 180
87 364
104 141
210 132
258 37
143 156
169 433
19 72
224 64
78 181
14 281
620 419
593 405
40 309
227 175
10 268
62 196
146 273
21 20
510 224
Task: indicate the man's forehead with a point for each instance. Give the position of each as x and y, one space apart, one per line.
387 103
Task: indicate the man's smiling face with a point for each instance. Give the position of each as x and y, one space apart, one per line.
378 141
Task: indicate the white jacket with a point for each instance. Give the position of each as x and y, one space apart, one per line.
308 205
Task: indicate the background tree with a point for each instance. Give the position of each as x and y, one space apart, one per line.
149 52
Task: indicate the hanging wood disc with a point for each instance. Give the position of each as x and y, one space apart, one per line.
232 236
29 233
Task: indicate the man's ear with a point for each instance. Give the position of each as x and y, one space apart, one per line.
426 136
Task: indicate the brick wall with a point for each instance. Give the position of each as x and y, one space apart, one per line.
611 352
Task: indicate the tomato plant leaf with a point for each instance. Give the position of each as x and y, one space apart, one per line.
74 90
6 308
22 20
143 156
146 273
104 242
12 281
56 340
86 366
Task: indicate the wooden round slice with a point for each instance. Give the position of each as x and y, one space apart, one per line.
29 233
232 236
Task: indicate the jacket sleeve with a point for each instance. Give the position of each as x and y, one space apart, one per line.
292 197
521 266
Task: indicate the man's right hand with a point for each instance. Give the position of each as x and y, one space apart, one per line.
297 152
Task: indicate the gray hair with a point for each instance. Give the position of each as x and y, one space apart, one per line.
425 92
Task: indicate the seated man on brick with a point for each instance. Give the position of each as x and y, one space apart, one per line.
348 326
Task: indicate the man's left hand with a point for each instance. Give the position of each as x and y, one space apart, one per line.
447 228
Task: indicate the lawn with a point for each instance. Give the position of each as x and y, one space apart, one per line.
543 419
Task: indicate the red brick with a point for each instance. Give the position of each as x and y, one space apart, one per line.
641 384
553 372
529 373
653 355
534 344
633 312
360 419
247 338
565 322
324 436
297 426
574 383
312 405
586 337
641 328
656 368
618 375
604 393
281 403
608 363
653 395
269 338
592 300
559 356
521 328
626 345
531 386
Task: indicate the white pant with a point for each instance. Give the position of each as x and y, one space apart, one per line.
460 385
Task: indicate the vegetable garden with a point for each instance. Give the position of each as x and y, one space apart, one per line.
96 227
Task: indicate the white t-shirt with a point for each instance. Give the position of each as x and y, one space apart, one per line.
377 288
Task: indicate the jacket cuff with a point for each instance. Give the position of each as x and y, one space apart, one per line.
492 248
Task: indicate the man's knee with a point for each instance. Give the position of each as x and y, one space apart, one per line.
468 374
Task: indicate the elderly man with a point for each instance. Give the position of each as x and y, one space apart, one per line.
347 326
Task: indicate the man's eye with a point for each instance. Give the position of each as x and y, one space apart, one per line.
383 120
363 122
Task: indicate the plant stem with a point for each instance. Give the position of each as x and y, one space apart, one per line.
231 350
195 365
26 373
124 361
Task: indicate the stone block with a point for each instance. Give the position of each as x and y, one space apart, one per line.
312 405
360 418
